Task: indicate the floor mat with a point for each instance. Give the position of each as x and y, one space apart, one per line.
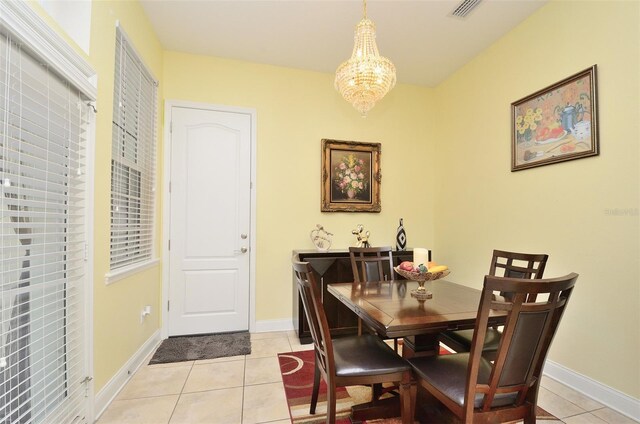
210 346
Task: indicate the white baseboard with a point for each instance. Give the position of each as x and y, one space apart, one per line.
117 382
274 325
597 391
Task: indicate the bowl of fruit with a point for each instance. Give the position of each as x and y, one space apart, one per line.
421 272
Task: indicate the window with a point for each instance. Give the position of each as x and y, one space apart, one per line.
133 158
43 145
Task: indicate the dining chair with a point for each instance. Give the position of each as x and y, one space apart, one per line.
352 360
480 391
371 264
505 264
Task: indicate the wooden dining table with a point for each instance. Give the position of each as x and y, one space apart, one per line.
391 311
389 308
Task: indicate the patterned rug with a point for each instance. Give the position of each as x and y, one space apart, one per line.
209 346
297 376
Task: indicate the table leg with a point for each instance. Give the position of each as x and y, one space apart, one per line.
382 408
422 345
378 408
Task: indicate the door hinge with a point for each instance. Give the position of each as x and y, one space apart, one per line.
168 305
169 247
169 186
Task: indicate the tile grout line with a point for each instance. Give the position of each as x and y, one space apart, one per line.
244 386
563 396
590 412
181 392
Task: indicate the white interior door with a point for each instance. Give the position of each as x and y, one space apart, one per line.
210 220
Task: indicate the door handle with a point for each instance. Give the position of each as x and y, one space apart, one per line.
242 250
243 236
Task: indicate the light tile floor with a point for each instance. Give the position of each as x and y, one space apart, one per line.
248 390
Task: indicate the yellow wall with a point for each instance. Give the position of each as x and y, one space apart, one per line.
295 110
558 209
118 332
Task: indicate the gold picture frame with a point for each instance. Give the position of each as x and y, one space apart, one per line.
556 124
350 176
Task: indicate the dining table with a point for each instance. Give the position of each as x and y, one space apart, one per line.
391 310
388 308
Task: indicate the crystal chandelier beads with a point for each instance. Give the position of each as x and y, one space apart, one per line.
366 77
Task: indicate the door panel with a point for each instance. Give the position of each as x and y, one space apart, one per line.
198 285
210 213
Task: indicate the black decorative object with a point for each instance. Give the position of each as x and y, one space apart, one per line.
401 237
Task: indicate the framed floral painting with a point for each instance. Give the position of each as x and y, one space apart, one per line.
557 123
350 176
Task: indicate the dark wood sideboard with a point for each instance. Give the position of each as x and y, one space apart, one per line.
333 266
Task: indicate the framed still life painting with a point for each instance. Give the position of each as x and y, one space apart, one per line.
350 176
557 123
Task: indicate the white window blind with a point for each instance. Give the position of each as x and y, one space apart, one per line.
133 158
43 130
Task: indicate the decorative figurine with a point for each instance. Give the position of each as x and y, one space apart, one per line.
362 236
401 237
321 238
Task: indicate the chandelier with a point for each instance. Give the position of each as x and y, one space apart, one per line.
366 77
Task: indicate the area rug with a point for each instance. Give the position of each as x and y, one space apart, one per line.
297 376
209 346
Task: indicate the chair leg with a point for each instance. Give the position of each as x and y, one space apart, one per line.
407 403
530 418
316 389
331 402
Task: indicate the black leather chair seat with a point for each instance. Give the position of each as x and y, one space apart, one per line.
464 337
448 374
365 355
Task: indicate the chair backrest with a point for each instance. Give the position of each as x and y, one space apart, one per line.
312 303
517 265
371 263
528 331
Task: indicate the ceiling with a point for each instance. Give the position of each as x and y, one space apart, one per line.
420 37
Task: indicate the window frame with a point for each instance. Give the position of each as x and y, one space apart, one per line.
145 255
24 25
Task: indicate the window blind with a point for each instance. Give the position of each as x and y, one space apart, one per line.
132 158
43 135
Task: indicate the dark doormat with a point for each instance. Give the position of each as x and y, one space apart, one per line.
210 346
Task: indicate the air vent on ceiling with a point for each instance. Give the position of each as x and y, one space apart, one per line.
464 8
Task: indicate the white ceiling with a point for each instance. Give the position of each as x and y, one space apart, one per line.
420 37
